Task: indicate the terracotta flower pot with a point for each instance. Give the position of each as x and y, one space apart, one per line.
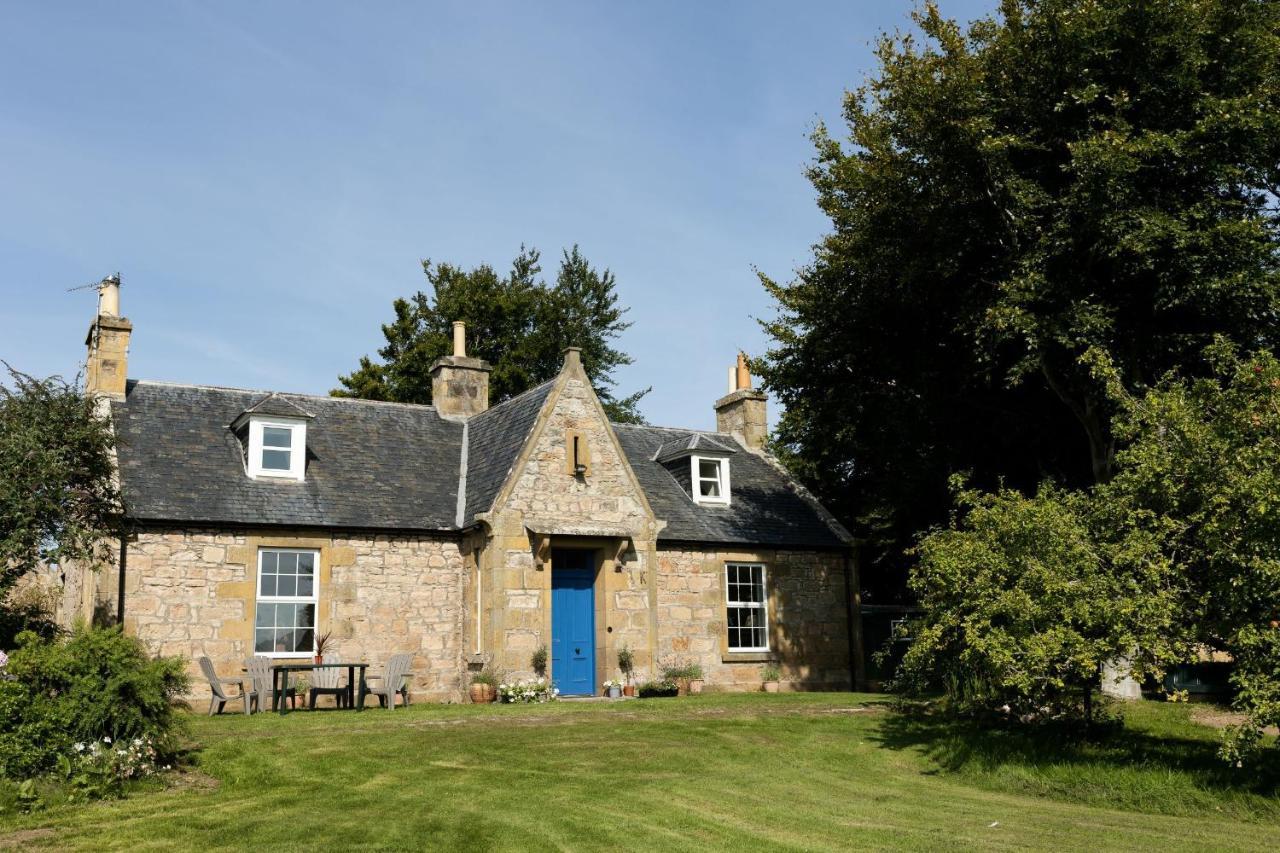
695 686
319 658
771 687
480 693
629 690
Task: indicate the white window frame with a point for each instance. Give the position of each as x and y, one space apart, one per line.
313 599
297 448
696 479
762 605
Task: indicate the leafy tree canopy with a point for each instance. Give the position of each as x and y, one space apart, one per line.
1061 177
58 498
517 322
1025 598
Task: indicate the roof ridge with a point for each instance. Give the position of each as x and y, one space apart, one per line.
514 399
328 397
686 430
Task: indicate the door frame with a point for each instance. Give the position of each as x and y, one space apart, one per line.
592 564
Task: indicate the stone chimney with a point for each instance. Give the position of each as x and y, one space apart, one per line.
742 411
460 385
108 341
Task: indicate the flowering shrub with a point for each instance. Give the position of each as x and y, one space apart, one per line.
95 684
610 684
100 769
4 660
537 690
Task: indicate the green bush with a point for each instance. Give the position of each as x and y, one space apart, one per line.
651 689
94 684
691 671
30 608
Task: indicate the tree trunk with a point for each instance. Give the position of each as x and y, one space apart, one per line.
1097 427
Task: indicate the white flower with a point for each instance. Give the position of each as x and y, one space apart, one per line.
106 740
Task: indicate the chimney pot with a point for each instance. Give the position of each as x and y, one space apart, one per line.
109 296
459 339
744 373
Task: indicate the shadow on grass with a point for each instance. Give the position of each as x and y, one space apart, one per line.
1157 767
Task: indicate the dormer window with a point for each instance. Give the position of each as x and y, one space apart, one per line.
710 476
273 435
277 448
699 462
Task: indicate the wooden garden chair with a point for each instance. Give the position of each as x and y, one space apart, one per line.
219 697
259 669
326 680
389 683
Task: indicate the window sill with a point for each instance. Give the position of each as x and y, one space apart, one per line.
749 657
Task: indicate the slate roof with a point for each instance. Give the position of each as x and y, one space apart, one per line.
494 439
686 443
279 405
392 466
369 465
765 507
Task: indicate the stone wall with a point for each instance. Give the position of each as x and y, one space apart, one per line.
192 593
808 633
601 510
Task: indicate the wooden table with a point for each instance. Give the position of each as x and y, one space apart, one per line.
280 680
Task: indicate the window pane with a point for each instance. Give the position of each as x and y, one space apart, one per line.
284 615
269 561
277 437
709 488
284 641
304 586
288 585
268 585
303 640
275 460
263 642
266 615
305 616
306 563
288 563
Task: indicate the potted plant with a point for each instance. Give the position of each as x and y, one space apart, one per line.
627 663
653 689
484 686
770 675
539 661
687 677
693 672
322 645
613 689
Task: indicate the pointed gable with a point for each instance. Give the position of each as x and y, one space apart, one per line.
550 488
494 440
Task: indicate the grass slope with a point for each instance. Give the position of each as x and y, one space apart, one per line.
824 771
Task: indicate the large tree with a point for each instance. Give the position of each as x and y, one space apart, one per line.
58 497
1059 177
517 322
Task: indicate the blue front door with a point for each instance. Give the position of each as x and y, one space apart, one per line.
573 622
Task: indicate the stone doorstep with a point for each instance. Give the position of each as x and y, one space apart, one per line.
593 699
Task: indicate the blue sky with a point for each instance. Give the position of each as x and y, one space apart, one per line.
267 176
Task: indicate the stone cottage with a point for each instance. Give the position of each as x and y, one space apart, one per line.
464 533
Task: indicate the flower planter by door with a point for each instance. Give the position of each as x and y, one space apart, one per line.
771 687
629 690
615 692
695 686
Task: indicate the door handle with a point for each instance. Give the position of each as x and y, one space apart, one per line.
577 651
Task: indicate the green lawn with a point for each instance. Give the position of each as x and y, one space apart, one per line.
817 771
